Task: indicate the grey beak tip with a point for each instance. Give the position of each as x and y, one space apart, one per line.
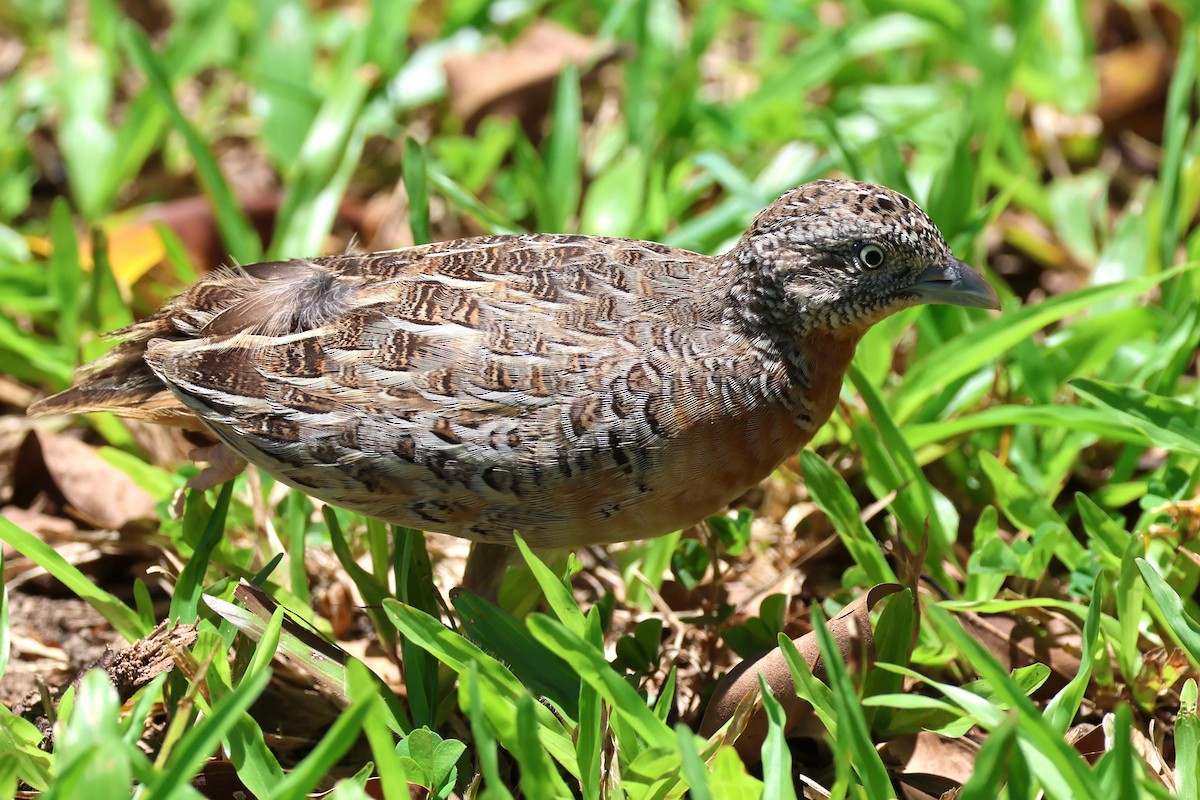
956 283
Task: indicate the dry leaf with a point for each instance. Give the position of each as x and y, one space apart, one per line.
46 526
851 630
927 764
1133 79
1088 739
193 220
519 80
90 489
133 250
1016 642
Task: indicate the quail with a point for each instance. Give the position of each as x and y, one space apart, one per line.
576 389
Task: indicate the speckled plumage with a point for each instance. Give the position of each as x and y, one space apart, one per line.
577 389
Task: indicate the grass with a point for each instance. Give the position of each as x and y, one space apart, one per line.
1032 468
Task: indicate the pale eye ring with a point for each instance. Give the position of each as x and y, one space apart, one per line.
871 255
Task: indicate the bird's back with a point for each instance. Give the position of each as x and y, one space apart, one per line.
564 386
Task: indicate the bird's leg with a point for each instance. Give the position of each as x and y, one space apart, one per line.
486 565
223 465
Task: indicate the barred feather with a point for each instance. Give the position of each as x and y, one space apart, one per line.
577 389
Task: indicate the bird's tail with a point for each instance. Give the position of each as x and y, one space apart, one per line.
121 381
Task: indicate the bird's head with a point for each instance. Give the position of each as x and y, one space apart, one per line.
845 254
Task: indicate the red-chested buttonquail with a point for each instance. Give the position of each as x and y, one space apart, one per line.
576 389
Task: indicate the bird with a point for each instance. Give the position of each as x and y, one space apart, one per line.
576 389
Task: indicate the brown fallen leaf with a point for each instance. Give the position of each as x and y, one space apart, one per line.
519 80
1088 739
47 526
1132 77
927 764
87 487
193 220
133 250
1037 638
851 629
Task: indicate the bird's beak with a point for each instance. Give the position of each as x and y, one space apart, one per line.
956 284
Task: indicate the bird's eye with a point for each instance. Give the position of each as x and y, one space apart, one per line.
871 256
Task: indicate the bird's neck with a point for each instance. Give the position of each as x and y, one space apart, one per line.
807 348
760 293
816 364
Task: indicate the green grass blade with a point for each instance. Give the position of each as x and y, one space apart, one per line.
20 742
993 764
1120 768
141 131
593 668
589 740
691 765
501 691
491 220
5 633
893 640
304 777
147 697
325 670
1186 629
964 355
85 139
1166 422
557 594
1177 126
1187 744
485 740
66 274
91 756
666 696
317 178
198 743
562 156
1057 766
1077 418
898 470
268 643
414 584
298 510
832 495
777 759
185 602
372 587
124 619
809 688
534 664
854 739
538 776
1061 711
1030 511
416 184
239 235
104 308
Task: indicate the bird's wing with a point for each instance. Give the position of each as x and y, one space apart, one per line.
475 352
